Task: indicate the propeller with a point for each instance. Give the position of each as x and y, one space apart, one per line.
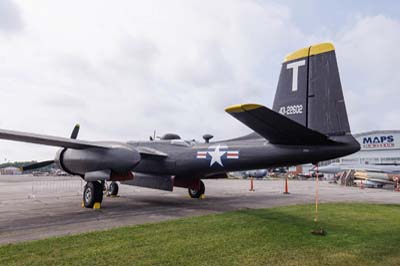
36 165
74 135
75 131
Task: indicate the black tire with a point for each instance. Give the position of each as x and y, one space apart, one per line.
92 193
113 189
196 193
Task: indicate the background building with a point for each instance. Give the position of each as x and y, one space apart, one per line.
380 146
10 171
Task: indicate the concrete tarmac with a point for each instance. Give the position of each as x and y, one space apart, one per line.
39 207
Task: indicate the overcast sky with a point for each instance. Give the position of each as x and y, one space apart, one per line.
124 68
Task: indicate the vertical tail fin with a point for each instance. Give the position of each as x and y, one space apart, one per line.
309 90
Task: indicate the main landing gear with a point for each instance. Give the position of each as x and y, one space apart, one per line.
197 193
93 193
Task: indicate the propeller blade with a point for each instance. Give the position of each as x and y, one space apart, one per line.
75 132
36 165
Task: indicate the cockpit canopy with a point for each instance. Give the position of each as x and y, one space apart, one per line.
170 136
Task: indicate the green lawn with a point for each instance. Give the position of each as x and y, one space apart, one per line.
358 234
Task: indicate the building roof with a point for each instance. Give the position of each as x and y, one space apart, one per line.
376 132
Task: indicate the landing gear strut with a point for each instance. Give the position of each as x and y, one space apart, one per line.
197 193
92 193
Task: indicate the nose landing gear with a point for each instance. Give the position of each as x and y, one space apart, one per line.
113 189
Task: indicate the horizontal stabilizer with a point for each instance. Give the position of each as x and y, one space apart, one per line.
276 128
48 140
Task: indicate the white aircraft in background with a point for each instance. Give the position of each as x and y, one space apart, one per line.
371 174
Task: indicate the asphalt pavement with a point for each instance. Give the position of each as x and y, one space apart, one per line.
38 207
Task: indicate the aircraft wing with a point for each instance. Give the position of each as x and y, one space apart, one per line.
275 127
48 140
151 152
368 168
67 142
380 181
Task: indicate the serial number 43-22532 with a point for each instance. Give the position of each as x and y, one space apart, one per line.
291 109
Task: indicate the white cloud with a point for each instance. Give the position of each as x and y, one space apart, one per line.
10 19
124 69
368 60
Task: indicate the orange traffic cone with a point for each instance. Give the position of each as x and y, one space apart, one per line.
286 186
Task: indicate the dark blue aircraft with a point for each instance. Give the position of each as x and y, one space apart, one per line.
307 124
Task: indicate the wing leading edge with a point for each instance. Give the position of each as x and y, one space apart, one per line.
48 140
69 142
276 128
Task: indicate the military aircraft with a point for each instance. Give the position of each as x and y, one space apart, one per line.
374 175
307 124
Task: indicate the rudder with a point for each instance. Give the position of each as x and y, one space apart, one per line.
309 90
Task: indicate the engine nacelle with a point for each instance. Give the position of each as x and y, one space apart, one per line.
78 162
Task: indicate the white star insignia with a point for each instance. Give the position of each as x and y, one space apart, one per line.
216 156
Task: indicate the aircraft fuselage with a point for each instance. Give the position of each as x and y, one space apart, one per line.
197 160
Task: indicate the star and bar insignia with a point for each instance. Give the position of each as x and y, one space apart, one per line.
217 153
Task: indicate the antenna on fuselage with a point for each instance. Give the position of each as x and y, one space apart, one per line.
154 136
207 137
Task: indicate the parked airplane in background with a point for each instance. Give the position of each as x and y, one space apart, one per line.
258 173
372 174
307 124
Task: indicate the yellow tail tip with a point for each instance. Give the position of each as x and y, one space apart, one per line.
238 108
314 49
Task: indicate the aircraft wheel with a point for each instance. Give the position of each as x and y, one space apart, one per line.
113 189
196 193
92 193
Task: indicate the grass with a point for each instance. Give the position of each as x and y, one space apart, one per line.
358 234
